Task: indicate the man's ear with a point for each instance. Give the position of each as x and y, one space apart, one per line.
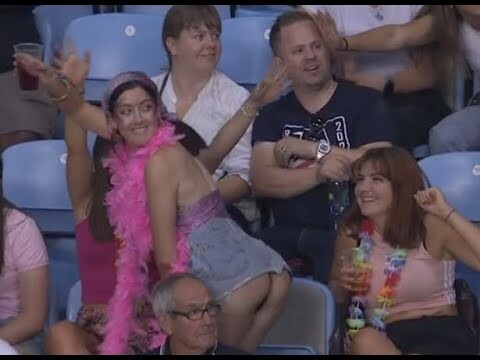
165 322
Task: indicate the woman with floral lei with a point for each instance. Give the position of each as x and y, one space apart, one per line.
401 242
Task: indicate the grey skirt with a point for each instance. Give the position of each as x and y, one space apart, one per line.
225 257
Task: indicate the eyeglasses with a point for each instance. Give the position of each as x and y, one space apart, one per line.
197 314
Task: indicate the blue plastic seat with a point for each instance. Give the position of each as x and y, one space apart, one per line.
118 43
284 350
261 10
308 319
52 20
246 56
223 10
74 302
34 179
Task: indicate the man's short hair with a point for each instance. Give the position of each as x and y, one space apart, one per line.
162 295
286 19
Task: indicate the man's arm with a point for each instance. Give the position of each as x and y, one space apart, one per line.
270 180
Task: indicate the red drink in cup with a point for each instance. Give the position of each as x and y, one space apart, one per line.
25 80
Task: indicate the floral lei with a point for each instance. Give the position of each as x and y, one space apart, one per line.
357 319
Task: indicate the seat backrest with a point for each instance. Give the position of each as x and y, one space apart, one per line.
308 318
52 20
457 174
74 301
223 10
120 42
261 10
284 350
246 55
34 179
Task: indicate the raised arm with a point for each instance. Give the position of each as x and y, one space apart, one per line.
67 93
462 238
79 169
384 38
231 133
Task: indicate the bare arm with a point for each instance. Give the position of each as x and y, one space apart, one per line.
233 188
394 37
228 136
270 180
460 237
33 305
162 191
79 168
418 76
384 38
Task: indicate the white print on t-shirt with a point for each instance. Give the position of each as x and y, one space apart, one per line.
333 130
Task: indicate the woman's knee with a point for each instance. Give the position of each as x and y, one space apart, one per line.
364 340
280 286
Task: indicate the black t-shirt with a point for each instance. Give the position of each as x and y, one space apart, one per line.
354 116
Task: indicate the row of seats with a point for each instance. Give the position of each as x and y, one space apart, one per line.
43 195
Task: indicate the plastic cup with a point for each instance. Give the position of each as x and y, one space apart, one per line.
354 262
26 81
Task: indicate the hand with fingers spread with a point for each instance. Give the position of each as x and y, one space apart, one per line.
70 65
270 88
329 32
433 202
289 147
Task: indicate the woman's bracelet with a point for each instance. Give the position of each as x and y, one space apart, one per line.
68 88
345 41
245 112
448 216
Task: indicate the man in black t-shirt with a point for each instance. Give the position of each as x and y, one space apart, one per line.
309 138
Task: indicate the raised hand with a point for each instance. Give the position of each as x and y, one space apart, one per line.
329 32
270 88
70 65
433 202
34 67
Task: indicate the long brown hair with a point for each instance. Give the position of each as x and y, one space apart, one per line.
404 226
98 218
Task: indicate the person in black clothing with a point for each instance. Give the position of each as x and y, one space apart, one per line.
25 115
307 140
187 314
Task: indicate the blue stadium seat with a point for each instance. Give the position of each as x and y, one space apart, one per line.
284 350
52 20
458 175
118 42
223 10
34 180
261 10
246 55
308 319
74 302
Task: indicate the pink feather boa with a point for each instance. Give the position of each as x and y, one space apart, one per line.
129 216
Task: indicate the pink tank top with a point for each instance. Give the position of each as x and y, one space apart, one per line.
424 281
96 264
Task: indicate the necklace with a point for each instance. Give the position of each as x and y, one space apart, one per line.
394 264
